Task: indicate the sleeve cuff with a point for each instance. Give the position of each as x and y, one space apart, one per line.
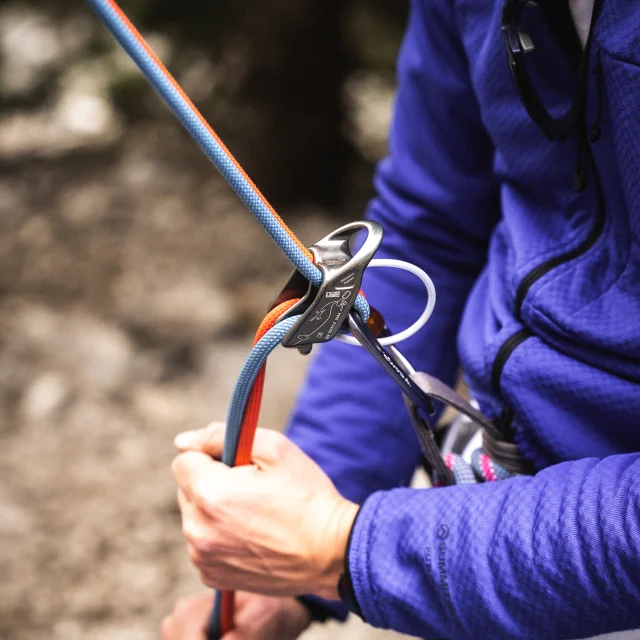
345 584
358 557
322 610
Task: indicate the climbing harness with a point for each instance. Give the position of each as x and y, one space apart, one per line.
320 301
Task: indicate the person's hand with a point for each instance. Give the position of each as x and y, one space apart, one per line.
257 618
277 527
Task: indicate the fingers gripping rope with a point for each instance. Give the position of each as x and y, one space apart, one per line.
242 421
244 407
163 82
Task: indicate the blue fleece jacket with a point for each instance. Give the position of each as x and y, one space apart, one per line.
541 286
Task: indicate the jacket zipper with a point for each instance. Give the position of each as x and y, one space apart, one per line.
516 339
542 269
584 155
504 353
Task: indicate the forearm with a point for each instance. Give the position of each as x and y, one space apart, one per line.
554 556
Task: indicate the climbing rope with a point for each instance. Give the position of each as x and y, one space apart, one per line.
242 421
481 469
187 113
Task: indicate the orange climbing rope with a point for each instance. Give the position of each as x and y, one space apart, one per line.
245 443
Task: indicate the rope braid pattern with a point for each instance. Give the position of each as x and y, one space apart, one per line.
187 113
481 469
242 422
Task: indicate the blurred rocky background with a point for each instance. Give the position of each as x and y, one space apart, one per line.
131 279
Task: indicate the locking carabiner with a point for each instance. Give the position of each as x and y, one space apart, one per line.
418 402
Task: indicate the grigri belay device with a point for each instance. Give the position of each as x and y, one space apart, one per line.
320 301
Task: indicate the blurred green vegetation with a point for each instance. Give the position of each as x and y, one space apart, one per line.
270 76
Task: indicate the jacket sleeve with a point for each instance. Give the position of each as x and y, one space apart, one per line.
553 556
438 203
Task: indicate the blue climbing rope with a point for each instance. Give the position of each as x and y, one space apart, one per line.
134 44
256 358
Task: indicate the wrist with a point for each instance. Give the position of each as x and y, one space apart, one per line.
336 545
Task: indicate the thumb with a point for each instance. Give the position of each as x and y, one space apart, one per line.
209 440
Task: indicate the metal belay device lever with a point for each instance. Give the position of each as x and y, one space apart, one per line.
326 308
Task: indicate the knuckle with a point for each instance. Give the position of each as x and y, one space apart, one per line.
208 501
192 532
213 429
204 544
175 465
196 557
180 464
181 607
205 498
208 435
189 530
194 554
